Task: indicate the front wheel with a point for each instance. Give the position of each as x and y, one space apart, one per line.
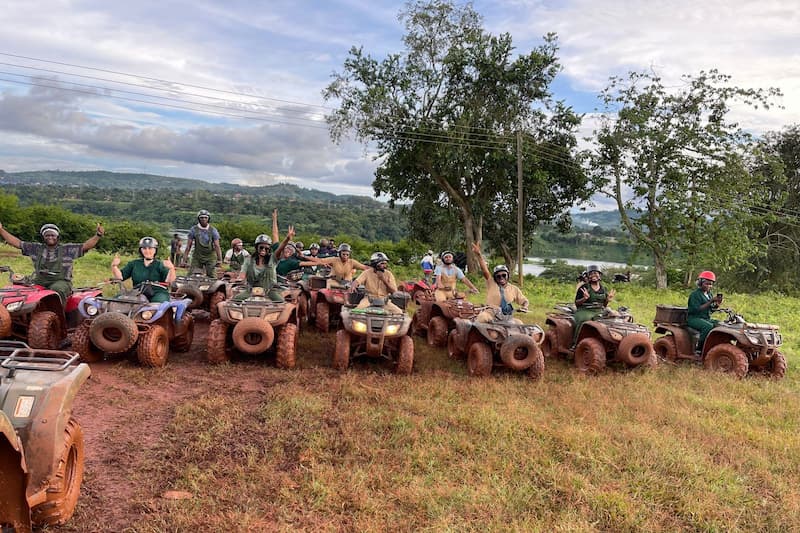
65 485
341 353
153 347
286 351
437 331
405 357
727 358
323 316
82 343
215 342
777 366
213 304
479 359
590 356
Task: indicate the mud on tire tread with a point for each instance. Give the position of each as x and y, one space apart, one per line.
454 344
590 356
44 331
550 343
509 349
82 343
777 366
405 356
213 303
437 332
323 316
727 358
302 308
153 347
244 333
286 351
5 322
182 343
215 342
114 332
479 360
665 349
341 352
635 350
192 293
65 485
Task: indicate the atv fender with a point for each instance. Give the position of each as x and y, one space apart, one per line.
564 330
14 507
683 339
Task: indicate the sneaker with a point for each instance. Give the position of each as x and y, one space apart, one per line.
66 343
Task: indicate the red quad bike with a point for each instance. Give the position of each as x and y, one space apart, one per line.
41 444
612 336
375 333
502 343
326 296
419 289
254 326
118 325
734 345
34 314
203 291
434 320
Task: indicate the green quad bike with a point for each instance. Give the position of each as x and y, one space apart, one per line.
203 291
734 346
503 342
130 322
255 326
41 444
373 333
611 336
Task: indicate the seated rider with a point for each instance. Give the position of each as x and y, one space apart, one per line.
260 268
235 257
52 261
291 262
378 282
590 299
500 294
146 268
342 265
447 275
700 305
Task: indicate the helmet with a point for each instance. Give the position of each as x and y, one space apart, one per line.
263 239
298 245
234 242
148 242
377 257
446 252
49 228
429 252
344 247
707 275
203 213
593 268
314 246
498 269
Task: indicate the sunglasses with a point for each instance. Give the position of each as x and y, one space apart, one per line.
501 276
260 248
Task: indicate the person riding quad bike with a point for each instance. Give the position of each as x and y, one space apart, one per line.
205 238
500 294
447 275
378 282
342 265
259 270
147 268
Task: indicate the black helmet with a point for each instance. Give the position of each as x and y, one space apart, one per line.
594 268
263 239
498 269
377 258
344 247
203 213
49 227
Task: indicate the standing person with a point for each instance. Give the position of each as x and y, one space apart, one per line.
146 268
236 255
590 299
207 238
447 275
427 265
52 261
175 249
700 305
342 266
259 270
325 248
500 294
378 282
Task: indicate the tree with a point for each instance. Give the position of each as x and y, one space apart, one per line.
677 162
443 117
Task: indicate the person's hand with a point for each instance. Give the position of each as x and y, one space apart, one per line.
168 264
523 309
585 293
476 248
290 233
612 294
100 231
115 261
474 291
275 212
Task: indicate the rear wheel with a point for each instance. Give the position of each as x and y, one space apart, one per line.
666 349
193 293
479 360
215 342
5 322
82 343
44 331
437 331
65 485
341 353
635 350
323 316
153 347
727 358
454 345
590 356
302 308
286 351
183 342
213 304
550 343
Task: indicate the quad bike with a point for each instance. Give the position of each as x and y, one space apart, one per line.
734 345
375 333
34 314
419 289
610 336
434 320
203 291
295 289
254 326
117 325
502 342
326 296
41 444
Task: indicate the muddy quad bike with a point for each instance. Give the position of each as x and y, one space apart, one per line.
419 289
375 333
610 336
41 444
734 345
434 320
295 290
130 321
253 327
204 292
502 343
326 296
34 314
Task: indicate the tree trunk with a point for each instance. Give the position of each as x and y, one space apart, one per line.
510 258
473 232
661 272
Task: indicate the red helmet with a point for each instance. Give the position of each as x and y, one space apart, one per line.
707 274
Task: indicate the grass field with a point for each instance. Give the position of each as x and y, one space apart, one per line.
676 448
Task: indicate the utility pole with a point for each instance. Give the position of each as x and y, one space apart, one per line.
520 206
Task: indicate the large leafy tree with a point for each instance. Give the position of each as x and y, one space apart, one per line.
443 115
674 158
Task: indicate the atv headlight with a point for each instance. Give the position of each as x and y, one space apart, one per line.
147 314
204 288
492 334
392 329
91 310
359 326
12 307
257 291
235 314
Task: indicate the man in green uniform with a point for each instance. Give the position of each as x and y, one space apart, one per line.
235 257
52 261
260 268
146 268
206 238
700 305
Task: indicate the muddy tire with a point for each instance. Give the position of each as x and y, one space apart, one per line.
777 366
414 328
405 356
341 352
5 322
479 360
215 342
44 331
65 485
286 351
153 347
437 332
550 344
727 358
590 356
323 316
113 332
253 335
183 342
635 350
192 293
454 344
302 308
82 343
666 349
213 304
519 352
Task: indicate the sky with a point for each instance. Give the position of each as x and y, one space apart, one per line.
163 87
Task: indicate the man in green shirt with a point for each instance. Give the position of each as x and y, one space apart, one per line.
700 305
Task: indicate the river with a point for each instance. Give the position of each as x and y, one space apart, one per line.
535 265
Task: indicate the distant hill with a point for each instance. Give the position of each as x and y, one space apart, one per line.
604 219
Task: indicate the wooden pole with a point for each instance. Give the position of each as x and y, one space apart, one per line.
520 206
